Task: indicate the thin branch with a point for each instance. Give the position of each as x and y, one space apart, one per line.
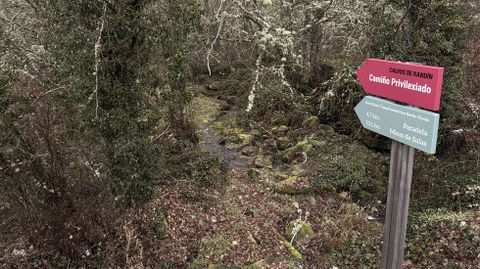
401 21
219 30
47 93
98 45
260 22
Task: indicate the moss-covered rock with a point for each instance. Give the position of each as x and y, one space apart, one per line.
283 143
312 122
298 230
249 151
292 250
239 140
295 253
245 139
262 161
293 185
305 146
279 176
259 163
279 129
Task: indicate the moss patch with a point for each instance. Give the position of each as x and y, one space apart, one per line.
298 230
205 109
295 253
304 146
210 249
293 185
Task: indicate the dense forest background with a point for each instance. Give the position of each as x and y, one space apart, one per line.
120 120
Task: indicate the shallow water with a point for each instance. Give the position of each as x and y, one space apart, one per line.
211 143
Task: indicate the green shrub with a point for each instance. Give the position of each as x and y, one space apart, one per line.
341 164
186 161
442 239
336 100
232 89
132 168
350 175
275 98
439 184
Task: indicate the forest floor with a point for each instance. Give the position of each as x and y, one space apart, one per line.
249 224
246 224
285 205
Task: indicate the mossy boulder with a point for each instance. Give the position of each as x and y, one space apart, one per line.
262 161
293 185
239 141
245 139
160 224
279 129
298 230
292 250
312 122
283 143
279 176
295 253
259 163
305 146
249 151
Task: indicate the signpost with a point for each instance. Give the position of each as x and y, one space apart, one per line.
410 128
400 182
414 84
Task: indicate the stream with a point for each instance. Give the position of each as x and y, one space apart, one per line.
212 143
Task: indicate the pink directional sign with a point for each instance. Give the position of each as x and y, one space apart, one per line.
414 84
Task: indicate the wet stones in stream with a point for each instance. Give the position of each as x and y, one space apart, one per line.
216 145
249 151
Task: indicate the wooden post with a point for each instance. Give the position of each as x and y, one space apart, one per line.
400 182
